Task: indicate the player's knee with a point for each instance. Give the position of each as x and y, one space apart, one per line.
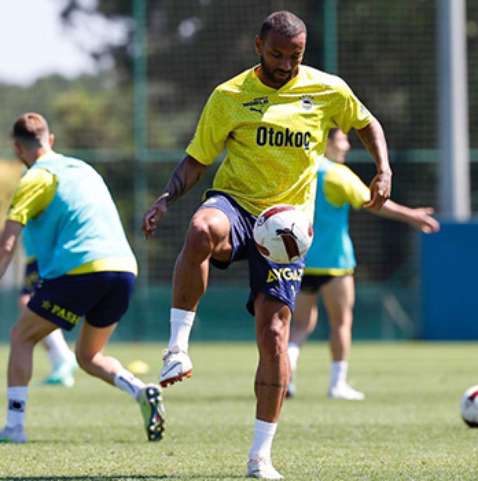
84 360
273 339
200 239
19 337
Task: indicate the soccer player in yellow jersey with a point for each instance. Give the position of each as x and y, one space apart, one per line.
330 262
272 120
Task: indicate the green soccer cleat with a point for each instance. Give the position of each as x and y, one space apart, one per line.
63 374
153 412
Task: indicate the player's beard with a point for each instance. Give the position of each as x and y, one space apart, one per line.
269 74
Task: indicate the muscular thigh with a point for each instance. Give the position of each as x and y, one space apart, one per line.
216 225
339 296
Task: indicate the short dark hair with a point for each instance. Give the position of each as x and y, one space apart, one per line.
332 133
31 129
283 22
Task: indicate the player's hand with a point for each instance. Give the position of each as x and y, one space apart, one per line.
154 215
380 189
424 220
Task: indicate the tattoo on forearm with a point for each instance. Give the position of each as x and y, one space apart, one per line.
183 178
176 186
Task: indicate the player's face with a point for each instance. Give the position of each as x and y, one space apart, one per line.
280 57
338 147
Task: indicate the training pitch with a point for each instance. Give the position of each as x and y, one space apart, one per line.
408 428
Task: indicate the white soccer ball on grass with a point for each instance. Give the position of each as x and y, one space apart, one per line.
283 233
469 407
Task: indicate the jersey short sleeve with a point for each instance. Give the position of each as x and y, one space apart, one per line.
353 113
33 195
212 130
342 186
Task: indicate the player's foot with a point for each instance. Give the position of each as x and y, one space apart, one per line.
16 434
345 391
62 374
176 366
291 390
260 468
152 409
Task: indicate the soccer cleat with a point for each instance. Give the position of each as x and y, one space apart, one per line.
16 435
176 366
261 468
62 374
346 392
152 409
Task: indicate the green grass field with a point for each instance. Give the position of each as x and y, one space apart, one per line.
408 429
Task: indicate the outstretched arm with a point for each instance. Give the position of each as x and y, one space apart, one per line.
419 218
373 139
8 241
186 174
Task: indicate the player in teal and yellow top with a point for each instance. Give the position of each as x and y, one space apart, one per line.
330 261
86 268
272 120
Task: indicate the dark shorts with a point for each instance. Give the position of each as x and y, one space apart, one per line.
311 283
100 297
31 278
280 281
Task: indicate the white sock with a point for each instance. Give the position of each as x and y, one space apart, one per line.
293 351
181 324
58 350
125 381
17 400
338 372
263 436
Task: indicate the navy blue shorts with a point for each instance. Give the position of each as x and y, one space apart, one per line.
312 283
30 278
100 297
280 281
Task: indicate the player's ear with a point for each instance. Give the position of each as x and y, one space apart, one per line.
258 45
51 139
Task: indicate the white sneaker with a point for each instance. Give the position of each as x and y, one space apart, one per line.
176 367
261 468
345 391
16 434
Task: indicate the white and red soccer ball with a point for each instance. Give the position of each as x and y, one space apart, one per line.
469 407
283 233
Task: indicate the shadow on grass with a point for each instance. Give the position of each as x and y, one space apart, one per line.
139 477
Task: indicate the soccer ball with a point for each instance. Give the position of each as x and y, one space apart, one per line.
283 233
469 407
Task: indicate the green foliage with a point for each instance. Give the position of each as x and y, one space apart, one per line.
407 429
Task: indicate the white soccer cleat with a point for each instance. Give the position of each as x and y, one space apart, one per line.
16 435
346 392
176 366
261 468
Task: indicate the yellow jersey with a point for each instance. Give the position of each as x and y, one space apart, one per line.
274 138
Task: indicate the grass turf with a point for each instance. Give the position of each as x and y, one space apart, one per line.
408 428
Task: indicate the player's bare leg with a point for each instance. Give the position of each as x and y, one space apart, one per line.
272 331
90 356
62 359
339 298
26 333
305 318
208 235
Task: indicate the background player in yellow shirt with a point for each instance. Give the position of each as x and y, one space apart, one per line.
330 262
272 120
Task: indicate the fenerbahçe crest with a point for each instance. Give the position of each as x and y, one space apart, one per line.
284 274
